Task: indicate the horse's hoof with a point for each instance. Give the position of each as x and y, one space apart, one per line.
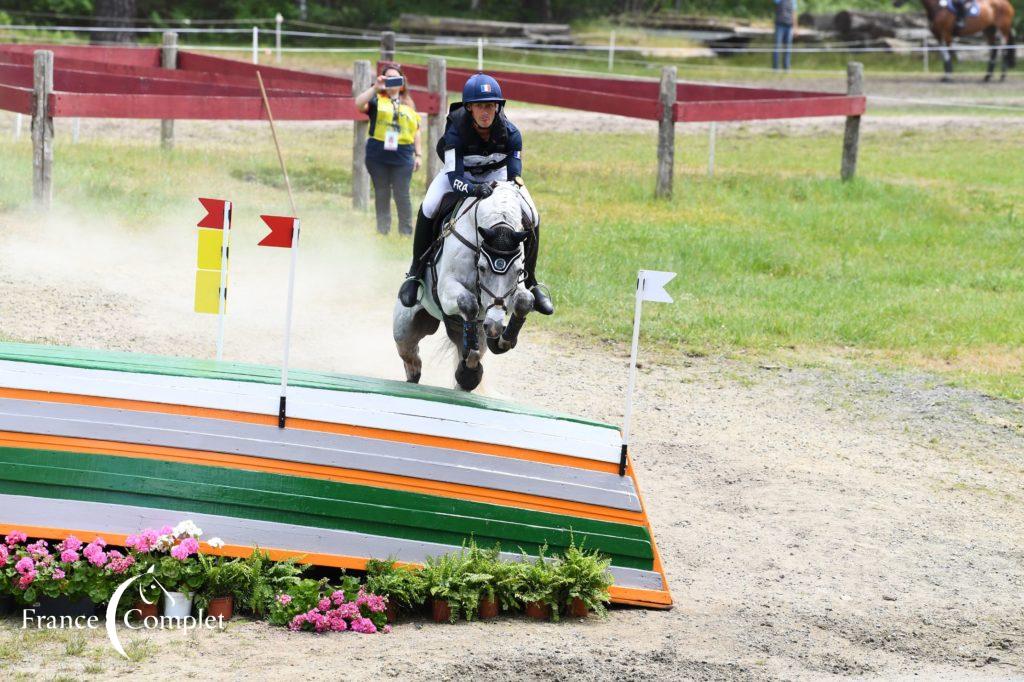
987 78
414 379
495 345
467 378
947 79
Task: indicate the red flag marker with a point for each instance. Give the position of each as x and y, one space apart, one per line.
281 230
214 213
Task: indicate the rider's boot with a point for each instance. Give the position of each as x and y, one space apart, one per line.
541 301
422 238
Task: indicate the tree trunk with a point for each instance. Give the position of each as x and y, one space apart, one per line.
114 14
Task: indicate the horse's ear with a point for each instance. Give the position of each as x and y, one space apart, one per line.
521 236
488 233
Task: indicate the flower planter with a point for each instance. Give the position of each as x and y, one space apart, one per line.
538 610
65 606
177 605
441 611
144 610
578 608
391 611
488 609
221 607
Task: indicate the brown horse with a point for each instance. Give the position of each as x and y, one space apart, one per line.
994 19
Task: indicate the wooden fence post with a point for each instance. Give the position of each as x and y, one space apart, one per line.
387 46
851 138
42 128
666 132
437 83
168 60
362 78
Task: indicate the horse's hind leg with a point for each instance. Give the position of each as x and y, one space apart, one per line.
410 326
947 63
993 53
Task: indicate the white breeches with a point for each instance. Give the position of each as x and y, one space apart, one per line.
441 186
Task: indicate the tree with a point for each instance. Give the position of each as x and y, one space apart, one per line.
115 14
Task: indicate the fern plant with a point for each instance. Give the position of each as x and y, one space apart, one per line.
263 579
538 580
404 587
447 577
584 575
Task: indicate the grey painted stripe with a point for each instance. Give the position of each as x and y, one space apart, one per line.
317 447
124 519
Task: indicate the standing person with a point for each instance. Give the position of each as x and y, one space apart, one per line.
393 151
785 20
480 146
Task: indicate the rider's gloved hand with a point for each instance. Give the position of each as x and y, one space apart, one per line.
481 190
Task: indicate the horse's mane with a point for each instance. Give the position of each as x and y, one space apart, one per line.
503 206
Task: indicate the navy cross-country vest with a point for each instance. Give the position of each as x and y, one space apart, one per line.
478 156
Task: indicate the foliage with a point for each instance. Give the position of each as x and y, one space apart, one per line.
262 579
449 578
584 575
313 605
300 597
220 578
538 580
400 585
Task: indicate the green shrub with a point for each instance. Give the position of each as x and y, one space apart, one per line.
402 586
584 575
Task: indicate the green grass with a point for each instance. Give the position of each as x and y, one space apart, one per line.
916 263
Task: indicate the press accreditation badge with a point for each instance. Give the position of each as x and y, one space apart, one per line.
391 140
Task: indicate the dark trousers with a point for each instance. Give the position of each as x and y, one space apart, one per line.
783 46
391 181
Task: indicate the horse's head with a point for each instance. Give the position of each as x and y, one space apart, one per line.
500 257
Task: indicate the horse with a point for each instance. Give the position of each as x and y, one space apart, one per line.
474 280
994 18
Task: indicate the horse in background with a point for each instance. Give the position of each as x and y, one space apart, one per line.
994 19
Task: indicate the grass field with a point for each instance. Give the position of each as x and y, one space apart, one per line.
917 263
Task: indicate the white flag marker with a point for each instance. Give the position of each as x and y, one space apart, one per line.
650 286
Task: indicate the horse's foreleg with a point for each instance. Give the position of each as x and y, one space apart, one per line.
993 54
409 327
457 301
947 63
522 305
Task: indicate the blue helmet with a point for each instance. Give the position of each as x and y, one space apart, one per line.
481 88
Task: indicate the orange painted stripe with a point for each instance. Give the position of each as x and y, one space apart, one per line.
619 595
656 565
345 429
355 476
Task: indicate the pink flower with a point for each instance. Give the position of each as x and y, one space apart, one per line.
98 559
166 530
58 574
39 548
14 537
148 540
297 622
338 597
191 545
179 553
3 555
94 552
349 610
69 555
387 629
131 541
324 604
284 599
99 541
338 625
26 580
114 554
121 563
25 566
363 625
375 603
72 543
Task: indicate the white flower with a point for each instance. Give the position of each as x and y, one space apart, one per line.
216 543
164 542
188 528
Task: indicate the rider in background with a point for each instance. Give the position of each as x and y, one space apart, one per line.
480 146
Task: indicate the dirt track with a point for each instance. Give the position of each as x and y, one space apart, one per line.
812 522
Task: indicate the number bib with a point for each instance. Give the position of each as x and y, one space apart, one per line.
391 140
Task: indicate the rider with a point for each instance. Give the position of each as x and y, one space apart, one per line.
960 10
480 146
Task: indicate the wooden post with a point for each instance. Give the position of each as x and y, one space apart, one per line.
168 60
42 129
437 82
387 46
666 132
851 138
362 78
712 134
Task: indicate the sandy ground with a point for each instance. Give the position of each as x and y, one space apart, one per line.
813 522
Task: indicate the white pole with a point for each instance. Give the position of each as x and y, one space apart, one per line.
17 126
277 35
712 134
632 361
924 42
288 325
75 129
222 298
255 45
479 54
611 52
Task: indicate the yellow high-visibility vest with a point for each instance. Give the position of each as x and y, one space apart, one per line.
408 120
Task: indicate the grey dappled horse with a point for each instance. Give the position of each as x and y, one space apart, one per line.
479 281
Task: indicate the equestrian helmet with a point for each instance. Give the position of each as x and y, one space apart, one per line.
482 88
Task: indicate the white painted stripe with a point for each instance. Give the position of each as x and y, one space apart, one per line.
411 415
102 518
